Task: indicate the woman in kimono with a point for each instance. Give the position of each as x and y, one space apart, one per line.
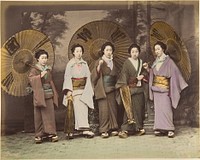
44 98
165 85
130 85
104 77
77 86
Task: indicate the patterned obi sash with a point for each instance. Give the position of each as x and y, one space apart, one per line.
78 83
109 81
48 91
161 81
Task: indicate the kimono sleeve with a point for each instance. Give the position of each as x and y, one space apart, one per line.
97 82
150 84
38 92
67 84
123 77
87 95
55 93
122 80
95 75
177 84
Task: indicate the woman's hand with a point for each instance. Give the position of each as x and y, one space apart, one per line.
140 77
100 62
43 73
146 66
69 96
99 65
69 93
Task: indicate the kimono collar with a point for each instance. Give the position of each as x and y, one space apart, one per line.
109 61
74 62
43 68
160 59
133 60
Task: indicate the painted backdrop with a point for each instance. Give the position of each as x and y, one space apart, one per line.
60 20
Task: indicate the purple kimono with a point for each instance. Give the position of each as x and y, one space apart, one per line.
165 98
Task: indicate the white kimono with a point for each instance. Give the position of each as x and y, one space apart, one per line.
82 98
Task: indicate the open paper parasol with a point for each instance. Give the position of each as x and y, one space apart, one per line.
17 57
92 36
161 31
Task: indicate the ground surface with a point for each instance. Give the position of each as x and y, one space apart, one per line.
186 144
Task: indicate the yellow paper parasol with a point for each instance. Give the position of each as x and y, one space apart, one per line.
161 31
92 35
17 57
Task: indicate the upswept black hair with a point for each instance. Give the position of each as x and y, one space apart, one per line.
133 46
107 44
39 52
161 44
75 46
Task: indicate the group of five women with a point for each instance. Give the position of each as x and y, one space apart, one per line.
109 88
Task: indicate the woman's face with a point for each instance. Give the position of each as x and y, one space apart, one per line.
108 51
134 53
42 60
158 50
78 53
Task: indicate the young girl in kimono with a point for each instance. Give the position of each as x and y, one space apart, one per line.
165 85
104 77
77 87
44 98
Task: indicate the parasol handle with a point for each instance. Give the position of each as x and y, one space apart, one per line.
146 65
27 63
